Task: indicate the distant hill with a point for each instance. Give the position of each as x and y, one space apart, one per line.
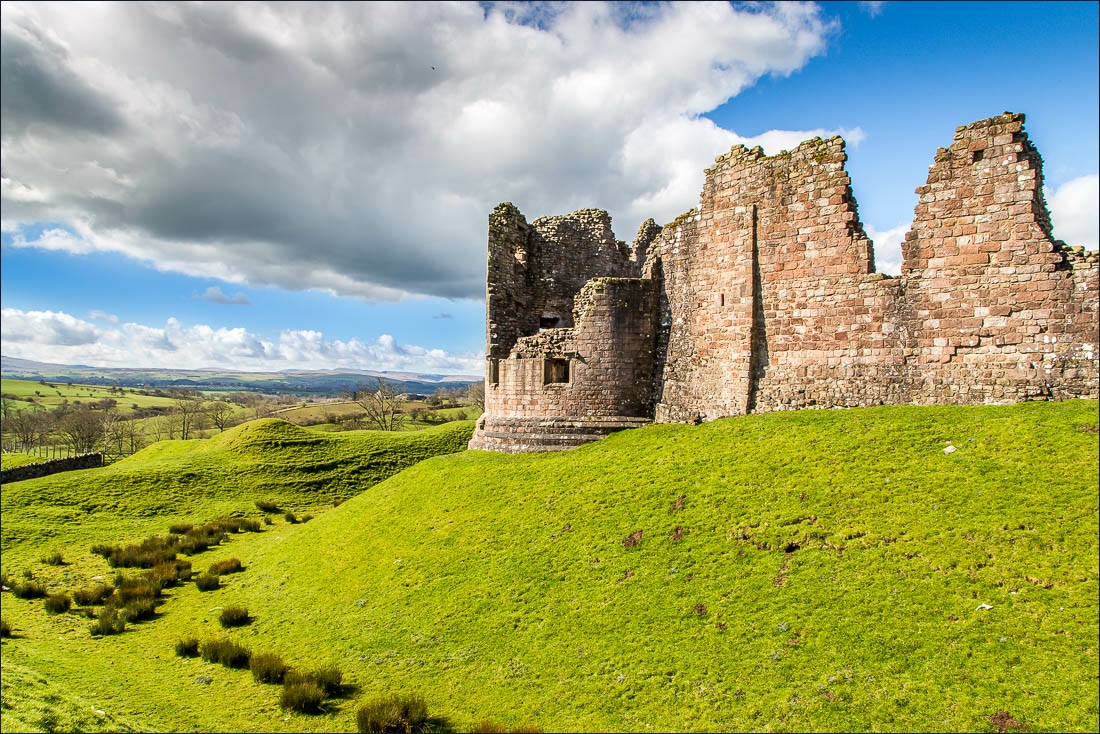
295 382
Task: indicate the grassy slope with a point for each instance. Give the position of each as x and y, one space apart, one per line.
457 579
200 479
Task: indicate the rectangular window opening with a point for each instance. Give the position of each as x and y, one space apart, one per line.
978 155
494 371
555 371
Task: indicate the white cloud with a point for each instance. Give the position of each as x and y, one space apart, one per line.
315 146
97 315
888 256
214 294
52 336
1075 211
872 7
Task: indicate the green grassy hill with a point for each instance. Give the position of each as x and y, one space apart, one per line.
819 570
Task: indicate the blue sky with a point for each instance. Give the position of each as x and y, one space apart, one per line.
260 188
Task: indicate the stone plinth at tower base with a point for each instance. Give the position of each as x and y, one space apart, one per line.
765 297
522 435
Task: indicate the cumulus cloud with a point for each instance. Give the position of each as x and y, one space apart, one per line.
887 242
358 148
53 336
1075 211
214 294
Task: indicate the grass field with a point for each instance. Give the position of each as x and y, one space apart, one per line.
12 459
818 570
53 394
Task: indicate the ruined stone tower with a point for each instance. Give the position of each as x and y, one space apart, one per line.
765 297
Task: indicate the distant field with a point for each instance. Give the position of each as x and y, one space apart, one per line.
53 394
806 571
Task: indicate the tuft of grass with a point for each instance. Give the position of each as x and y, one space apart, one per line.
138 610
223 567
108 623
206 582
394 713
291 518
132 588
29 589
58 603
487 726
93 595
267 667
234 616
54 559
5 628
180 528
305 697
226 652
187 647
268 506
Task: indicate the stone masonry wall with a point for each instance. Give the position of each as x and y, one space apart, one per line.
53 466
997 310
765 298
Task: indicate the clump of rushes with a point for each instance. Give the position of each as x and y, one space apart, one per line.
58 603
267 667
138 610
305 697
234 616
290 517
485 726
306 518
180 528
92 595
108 623
229 565
267 506
206 582
226 652
393 713
54 559
29 590
5 628
187 647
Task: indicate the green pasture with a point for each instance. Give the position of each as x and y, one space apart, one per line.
804 571
53 394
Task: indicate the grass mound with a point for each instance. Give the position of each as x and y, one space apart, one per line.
267 460
819 570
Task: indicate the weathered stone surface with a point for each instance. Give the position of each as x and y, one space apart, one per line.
765 298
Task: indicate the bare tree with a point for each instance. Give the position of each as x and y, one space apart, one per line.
27 427
382 402
475 393
81 430
220 413
187 411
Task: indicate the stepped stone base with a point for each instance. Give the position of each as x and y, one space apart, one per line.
523 435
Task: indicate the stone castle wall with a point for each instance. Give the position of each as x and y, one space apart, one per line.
765 298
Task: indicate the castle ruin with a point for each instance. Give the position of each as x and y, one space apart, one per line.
765 298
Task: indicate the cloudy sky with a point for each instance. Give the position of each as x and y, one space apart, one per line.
285 186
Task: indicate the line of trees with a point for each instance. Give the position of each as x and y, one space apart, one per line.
101 426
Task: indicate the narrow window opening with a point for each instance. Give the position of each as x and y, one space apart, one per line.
555 371
978 155
494 371
548 322
721 299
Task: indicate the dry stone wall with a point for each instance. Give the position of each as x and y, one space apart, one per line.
765 297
